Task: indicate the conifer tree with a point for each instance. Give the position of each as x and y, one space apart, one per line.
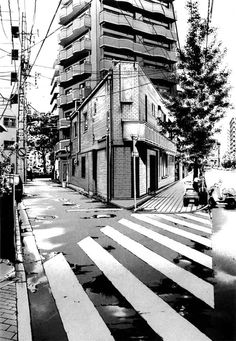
203 98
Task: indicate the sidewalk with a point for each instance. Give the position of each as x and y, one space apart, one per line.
14 305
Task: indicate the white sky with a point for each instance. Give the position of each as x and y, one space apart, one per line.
223 18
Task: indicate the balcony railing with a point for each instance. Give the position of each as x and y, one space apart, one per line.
61 145
138 48
152 7
138 25
76 71
63 123
77 48
68 12
147 134
79 26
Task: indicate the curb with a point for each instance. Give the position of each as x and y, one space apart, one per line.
23 311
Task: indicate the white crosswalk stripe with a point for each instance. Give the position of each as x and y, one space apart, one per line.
169 217
150 219
194 217
77 312
185 279
186 251
150 306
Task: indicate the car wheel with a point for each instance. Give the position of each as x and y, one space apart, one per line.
231 203
185 202
211 203
196 202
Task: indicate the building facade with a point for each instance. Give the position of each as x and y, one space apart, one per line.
93 35
117 142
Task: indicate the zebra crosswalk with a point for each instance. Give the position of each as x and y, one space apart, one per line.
175 233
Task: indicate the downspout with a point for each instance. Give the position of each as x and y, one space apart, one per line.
109 141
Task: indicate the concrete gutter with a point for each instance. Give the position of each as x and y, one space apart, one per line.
23 311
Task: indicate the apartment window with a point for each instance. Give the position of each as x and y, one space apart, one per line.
8 144
83 167
73 166
9 122
146 108
153 110
75 129
85 121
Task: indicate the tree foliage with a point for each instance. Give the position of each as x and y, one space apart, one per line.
203 98
42 134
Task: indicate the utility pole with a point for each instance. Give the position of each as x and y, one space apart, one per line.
21 132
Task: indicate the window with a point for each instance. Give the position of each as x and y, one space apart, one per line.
83 167
146 108
75 129
153 110
73 166
85 121
9 122
8 144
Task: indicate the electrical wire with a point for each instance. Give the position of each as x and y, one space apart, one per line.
2 23
46 36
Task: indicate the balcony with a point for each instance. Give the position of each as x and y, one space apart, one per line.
68 12
147 134
78 48
138 25
77 70
61 146
78 27
64 99
156 8
139 49
63 123
81 94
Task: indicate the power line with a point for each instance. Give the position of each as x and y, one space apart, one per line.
59 4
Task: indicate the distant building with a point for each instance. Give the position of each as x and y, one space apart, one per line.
95 34
118 124
232 138
8 126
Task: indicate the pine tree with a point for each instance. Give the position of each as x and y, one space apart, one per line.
203 98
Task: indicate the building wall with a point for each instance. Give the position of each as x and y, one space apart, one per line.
102 173
122 179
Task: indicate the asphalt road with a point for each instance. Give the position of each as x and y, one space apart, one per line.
128 265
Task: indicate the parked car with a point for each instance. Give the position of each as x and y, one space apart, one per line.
227 196
190 196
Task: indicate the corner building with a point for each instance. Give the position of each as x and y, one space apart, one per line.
96 33
117 138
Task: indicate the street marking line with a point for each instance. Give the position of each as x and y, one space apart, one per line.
185 223
163 319
195 285
80 318
189 235
193 217
203 214
187 251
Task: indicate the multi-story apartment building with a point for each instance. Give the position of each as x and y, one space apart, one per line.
95 33
232 132
117 138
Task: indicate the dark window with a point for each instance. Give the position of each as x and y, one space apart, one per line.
9 122
8 144
85 119
73 166
83 167
75 129
146 108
